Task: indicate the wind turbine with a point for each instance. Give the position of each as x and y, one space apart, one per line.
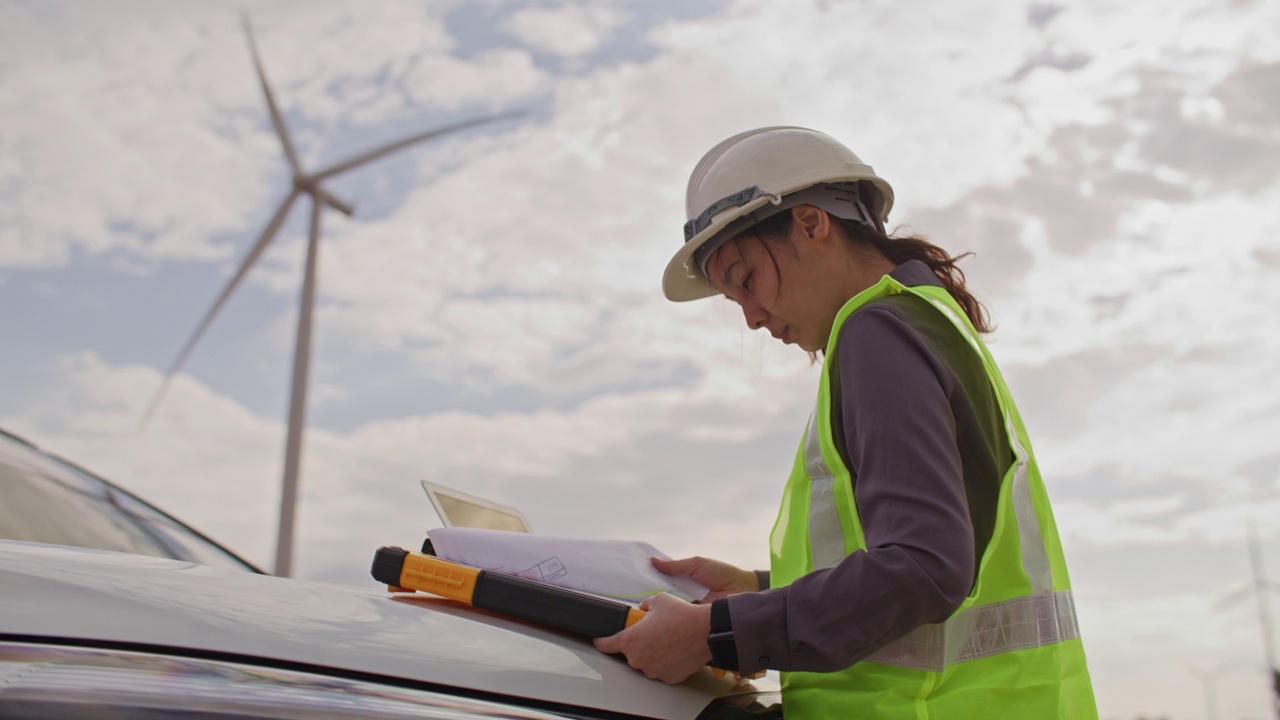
1260 587
311 184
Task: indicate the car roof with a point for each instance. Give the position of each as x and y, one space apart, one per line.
74 595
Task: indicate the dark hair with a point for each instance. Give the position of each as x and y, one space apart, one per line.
896 250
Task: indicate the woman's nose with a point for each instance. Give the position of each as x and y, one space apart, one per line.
754 315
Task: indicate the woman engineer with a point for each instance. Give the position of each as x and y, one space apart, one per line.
916 570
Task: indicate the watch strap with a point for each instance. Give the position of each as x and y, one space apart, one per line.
724 649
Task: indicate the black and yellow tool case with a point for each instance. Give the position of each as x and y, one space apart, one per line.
518 597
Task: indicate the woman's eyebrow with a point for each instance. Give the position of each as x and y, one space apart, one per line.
725 279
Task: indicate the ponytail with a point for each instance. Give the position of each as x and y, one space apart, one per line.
913 247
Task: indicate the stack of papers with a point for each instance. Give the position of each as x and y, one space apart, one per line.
616 569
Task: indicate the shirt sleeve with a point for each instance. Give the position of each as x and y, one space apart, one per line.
919 564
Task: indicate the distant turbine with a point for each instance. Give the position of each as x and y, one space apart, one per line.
309 184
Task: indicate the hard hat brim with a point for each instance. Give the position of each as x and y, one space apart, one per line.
683 280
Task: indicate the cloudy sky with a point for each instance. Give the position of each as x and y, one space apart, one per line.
491 317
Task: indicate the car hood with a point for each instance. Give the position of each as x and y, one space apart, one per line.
114 598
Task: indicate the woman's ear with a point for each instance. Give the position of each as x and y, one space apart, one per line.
812 223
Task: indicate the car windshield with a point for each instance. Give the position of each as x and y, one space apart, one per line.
49 500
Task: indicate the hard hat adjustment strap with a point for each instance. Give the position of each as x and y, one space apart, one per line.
738 199
841 201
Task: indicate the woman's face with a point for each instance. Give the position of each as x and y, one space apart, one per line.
788 289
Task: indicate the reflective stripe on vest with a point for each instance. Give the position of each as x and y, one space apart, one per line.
1042 618
983 631
826 539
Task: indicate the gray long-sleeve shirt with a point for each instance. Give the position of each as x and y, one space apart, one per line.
919 427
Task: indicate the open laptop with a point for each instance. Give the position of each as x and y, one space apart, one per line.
459 509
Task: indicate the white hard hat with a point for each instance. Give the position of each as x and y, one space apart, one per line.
759 173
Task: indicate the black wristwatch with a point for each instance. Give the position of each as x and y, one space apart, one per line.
724 649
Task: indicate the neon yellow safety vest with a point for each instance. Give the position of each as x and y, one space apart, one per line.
1011 650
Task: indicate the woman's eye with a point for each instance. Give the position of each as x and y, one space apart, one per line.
746 281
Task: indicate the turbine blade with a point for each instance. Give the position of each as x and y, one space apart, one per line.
338 204
1233 597
276 119
374 154
249 259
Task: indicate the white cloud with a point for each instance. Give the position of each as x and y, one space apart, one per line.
1156 285
493 78
568 30
1170 520
118 152
866 86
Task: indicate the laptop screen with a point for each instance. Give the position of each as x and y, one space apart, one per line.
459 509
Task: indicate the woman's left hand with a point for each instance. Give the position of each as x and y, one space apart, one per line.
670 641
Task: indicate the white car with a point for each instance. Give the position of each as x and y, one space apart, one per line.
93 633
44 498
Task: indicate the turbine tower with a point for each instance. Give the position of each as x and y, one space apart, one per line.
311 184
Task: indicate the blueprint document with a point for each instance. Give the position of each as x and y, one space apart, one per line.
616 569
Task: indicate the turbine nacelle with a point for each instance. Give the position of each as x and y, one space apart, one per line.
310 185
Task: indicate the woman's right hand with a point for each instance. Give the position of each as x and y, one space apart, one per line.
720 579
